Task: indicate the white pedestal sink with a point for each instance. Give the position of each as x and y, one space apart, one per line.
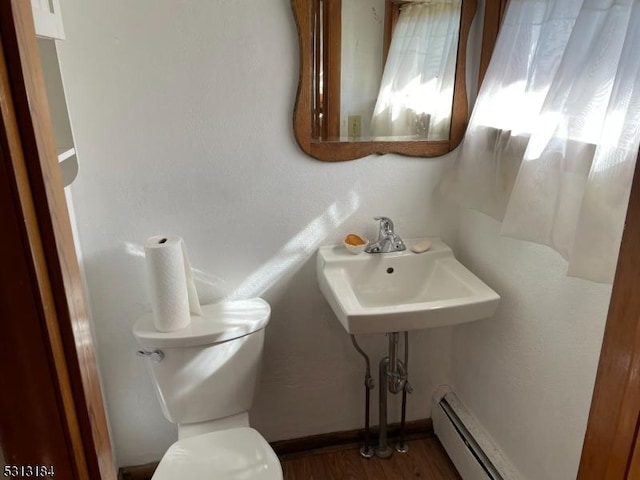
400 291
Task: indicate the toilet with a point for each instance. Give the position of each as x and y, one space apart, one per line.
205 376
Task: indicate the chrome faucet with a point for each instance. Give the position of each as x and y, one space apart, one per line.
387 241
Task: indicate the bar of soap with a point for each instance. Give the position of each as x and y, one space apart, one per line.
422 246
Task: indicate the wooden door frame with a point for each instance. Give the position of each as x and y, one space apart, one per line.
494 11
612 431
58 322
29 164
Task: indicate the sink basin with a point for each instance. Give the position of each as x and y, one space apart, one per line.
395 292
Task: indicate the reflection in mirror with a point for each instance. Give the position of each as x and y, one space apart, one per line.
402 90
381 76
361 65
416 90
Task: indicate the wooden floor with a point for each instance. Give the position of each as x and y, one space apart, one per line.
426 459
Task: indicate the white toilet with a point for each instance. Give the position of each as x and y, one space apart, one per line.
205 377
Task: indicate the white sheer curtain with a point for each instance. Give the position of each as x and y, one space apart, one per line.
553 139
416 91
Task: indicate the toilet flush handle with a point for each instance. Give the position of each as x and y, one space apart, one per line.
155 356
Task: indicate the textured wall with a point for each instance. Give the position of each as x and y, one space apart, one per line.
528 373
182 117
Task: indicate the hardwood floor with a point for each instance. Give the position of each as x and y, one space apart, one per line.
426 459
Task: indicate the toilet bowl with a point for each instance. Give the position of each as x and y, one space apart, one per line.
205 376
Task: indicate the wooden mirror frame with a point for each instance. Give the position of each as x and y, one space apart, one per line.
304 126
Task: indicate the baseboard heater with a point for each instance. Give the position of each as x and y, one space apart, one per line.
469 447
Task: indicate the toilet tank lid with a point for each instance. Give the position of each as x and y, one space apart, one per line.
219 322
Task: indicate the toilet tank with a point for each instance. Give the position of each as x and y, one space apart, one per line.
210 368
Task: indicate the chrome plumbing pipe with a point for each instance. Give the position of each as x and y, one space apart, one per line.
392 369
389 368
366 451
393 378
383 450
401 446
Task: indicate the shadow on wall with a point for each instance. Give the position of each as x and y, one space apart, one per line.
280 266
297 250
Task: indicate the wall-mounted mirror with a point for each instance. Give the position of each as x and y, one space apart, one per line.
381 76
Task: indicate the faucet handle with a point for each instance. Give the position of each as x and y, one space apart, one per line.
385 223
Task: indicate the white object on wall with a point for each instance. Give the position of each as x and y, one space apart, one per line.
47 18
458 445
58 108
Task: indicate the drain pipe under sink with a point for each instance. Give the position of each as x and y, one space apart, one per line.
393 378
366 451
401 446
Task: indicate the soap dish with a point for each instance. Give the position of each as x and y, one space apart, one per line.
355 244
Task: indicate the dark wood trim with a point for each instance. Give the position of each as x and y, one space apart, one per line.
33 168
305 117
141 472
333 65
327 38
493 15
612 430
338 440
318 128
460 109
634 461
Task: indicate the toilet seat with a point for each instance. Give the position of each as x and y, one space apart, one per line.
239 453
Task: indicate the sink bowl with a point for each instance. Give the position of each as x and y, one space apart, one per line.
400 291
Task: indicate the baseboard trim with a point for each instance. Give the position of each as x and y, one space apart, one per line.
140 472
339 440
296 447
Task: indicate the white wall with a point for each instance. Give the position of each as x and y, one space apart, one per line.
528 373
182 116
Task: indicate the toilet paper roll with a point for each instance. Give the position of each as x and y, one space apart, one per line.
173 294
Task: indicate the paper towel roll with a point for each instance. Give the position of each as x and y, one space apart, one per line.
173 294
